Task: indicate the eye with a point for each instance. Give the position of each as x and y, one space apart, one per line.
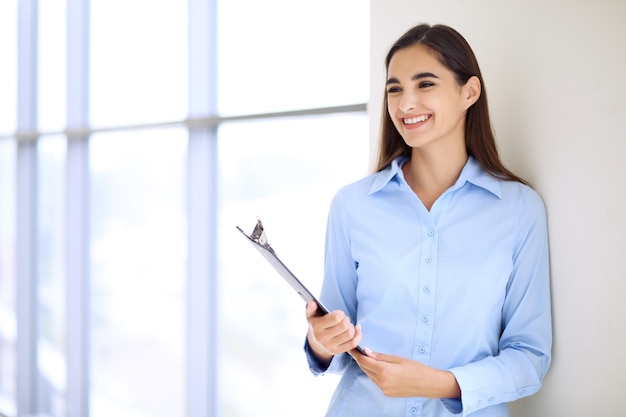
426 84
393 89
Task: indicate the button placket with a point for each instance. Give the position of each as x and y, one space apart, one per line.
426 302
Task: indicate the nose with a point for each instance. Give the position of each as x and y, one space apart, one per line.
408 102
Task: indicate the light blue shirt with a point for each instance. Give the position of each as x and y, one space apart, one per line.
464 287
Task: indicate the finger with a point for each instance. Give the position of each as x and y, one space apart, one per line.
351 338
340 337
381 357
358 332
358 335
336 318
369 352
343 334
311 309
367 364
329 333
356 353
370 362
339 324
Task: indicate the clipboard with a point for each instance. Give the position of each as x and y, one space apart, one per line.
259 240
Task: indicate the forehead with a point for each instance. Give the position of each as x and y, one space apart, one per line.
414 59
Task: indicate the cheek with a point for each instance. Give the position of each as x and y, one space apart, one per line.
397 123
393 105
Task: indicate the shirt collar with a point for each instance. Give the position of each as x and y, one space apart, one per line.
472 172
392 172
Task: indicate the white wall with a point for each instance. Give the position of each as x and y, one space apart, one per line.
555 73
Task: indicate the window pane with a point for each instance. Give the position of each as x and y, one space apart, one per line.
8 69
286 172
51 253
8 330
282 54
138 273
52 65
138 61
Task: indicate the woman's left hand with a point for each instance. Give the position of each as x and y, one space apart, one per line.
400 377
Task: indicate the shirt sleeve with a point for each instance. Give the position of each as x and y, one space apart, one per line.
337 364
526 341
339 285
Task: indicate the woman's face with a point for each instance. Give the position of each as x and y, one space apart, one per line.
424 100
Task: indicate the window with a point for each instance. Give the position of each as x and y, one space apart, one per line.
51 268
138 62
281 55
145 134
8 71
285 171
137 272
8 326
8 182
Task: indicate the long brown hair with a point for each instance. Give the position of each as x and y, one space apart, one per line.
454 53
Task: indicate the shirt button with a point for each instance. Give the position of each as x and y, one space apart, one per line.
429 260
522 392
426 289
414 411
422 349
425 318
431 233
491 400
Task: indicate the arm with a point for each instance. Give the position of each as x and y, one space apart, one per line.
401 377
330 336
517 367
526 340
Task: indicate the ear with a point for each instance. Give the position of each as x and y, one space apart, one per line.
471 91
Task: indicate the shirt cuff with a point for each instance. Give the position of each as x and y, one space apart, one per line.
480 390
315 367
453 405
337 364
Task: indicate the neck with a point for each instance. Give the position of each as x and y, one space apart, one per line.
430 174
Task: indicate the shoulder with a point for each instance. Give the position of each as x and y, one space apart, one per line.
359 189
526 203
375 182
362 198
522 194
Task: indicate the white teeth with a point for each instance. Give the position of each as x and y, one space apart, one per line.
414 120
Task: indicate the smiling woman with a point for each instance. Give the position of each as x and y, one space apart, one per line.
436 235
424 100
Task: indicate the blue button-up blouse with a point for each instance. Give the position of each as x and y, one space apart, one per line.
462 287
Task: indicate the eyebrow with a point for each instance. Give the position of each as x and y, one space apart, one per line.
416 77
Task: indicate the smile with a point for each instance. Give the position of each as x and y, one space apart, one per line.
415 120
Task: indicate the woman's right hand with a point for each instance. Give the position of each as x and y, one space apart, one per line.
330 334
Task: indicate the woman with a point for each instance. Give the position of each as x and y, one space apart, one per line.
440 257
